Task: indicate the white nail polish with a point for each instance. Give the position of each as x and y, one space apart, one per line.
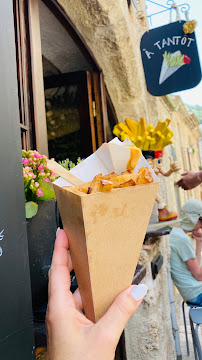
57 231
139 292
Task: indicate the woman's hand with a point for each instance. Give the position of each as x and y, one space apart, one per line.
70 335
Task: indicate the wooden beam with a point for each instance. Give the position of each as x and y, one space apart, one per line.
37 78
99 119
104 106
90 101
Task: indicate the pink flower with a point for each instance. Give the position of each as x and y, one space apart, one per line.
53 173
36 184
39 192
37 156
31 174
42 173
25 175
47 180
25 161
40 167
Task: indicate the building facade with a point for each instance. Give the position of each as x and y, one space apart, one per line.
79 73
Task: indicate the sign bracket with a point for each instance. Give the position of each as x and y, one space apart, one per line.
184 8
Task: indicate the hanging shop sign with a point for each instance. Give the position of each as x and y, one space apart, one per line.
170 59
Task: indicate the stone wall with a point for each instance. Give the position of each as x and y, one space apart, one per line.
148 333
112 31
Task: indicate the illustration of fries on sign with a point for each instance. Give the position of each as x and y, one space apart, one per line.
172 62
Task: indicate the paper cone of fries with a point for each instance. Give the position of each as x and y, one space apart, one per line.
105 229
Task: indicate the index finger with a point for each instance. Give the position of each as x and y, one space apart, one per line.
61 256
59 273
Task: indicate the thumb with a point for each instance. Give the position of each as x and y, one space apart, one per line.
171 160
184 174
124 306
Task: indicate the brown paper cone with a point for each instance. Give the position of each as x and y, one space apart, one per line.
106 232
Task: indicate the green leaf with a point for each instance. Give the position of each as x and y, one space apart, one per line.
31 209
47 188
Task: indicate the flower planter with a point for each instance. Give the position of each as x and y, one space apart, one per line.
41 231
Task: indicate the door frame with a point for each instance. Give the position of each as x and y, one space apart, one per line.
35 108
83 80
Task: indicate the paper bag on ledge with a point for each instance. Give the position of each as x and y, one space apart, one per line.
105 230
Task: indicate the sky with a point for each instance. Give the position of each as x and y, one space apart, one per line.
191 96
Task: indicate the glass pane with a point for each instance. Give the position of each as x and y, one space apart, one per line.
63 122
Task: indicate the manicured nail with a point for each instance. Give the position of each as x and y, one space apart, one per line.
57 231
139 292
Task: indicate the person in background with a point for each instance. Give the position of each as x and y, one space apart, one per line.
186 271
190 180
70 335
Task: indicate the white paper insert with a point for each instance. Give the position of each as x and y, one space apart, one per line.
112 156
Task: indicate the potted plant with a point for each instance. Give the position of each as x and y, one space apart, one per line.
40 208
41 221
37 181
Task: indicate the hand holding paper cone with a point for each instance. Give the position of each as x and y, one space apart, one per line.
67 325
106 230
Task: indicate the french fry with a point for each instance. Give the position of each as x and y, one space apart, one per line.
126 172
83 188
143 126
109 176
130 182
144 177
147 143
123 136
150 127
157 127
106 185
116 131
95 184
132 125
125 128
112 181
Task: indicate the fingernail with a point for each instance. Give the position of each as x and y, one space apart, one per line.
57 231
139 292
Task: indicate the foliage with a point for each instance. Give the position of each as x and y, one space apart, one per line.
197 110
68 164
37 180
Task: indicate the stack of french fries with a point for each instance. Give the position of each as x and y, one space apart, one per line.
113 181
145 137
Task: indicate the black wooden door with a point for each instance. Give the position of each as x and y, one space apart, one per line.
16 330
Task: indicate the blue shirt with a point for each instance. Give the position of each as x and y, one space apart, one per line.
181 251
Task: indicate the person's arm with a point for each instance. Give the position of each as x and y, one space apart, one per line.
198 251
174 166
197 235
70 335
190 180
195 268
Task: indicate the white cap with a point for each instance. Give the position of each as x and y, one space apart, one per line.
190 213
